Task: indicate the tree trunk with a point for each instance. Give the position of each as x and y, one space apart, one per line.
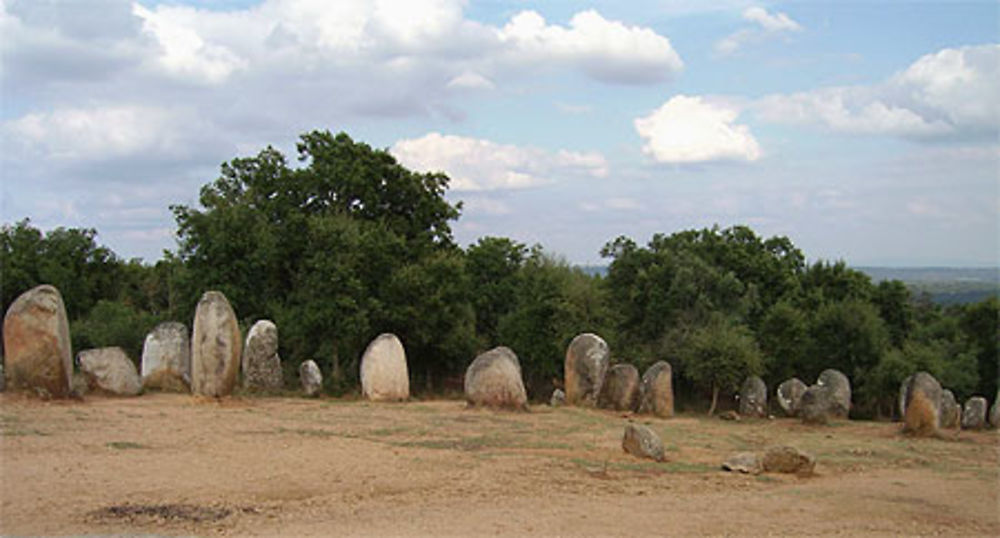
715 399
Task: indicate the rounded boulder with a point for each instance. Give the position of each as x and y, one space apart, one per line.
620 390
951 412
384 375
166 358
109 369
261 363
974 413
923 405
656 392
310 377
995 412
641 441
789 394
494 380
816 404
37 351
585 367
840 388
215 347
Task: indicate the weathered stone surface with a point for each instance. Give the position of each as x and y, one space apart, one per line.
753 397
558 398
494 380
585 368
974 413
923 405
384 375
841 391
215 347
994 411
311 378
620 390
787 459
951 412
110 370
37 353
743 462
642 442
789 394
816 404
3 379
656 392
166 358
904 387
261 363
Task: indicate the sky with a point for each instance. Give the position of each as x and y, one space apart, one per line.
865 131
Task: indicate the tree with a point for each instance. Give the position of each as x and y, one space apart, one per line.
493 265
718 356
784 341
847 335
981 324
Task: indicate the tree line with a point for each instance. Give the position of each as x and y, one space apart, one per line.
350 244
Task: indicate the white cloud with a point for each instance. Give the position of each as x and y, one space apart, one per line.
766 25
606 50
477 165
691 130
951 93
470 80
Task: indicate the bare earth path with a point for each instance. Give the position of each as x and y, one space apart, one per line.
168 464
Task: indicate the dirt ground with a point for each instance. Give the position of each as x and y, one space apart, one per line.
167 464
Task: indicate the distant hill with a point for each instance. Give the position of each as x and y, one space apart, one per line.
945 285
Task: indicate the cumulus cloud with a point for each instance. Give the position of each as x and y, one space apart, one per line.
475 164
765 26
692 130
953 93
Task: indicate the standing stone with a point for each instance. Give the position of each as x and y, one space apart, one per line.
787 459
841 391
753 397
923 406
951 412
166 358
585 367
643 442
37 354
261 363
903 395
311 377
215 347
656 393
3 379
816 405
494 380
384 376
109 369
620 390
974 413
789 394
558 398
994 411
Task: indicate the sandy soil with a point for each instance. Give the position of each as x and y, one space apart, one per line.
167 464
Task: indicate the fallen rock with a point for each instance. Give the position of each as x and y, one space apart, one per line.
788 395
37 353
494 380
994 411
110 370
384 375
753 397
166 358
923 406
951 412
215 347
261 363
743 462
620 390
558 398
840 388
585 368
730 415
974 413
311 378
656 392
642 442
787 459
816 405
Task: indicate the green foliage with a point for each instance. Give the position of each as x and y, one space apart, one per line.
785 340
719 355
493 265
113 323
980 322
847 335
